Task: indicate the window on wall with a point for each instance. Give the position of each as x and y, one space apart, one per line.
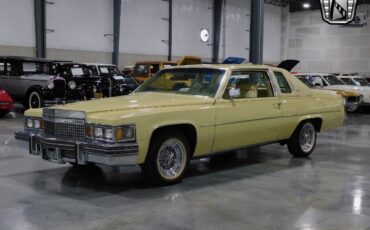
251 84
283 83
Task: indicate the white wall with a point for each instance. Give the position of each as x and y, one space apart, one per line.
80 24
326 48
237 24
272 34
17 23
142 27
189 17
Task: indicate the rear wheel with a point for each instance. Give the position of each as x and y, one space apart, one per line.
34 100
303 141
168 158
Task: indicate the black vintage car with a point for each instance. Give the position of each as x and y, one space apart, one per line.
30 81
81 85
113 82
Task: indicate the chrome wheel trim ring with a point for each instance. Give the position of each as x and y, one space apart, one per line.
307 137
32 100
171 159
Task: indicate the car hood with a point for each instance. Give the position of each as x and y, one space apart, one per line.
136 101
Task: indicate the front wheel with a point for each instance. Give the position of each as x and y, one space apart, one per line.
303 141
168 158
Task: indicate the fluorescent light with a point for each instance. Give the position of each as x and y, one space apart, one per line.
306 5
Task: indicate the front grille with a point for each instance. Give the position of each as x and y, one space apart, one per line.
59 88
64 129
353 99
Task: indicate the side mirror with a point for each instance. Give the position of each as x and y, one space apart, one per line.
318 85
234 93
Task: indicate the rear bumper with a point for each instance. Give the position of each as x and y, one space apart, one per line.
80 152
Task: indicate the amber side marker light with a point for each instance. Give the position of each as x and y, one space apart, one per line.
118 134
89 131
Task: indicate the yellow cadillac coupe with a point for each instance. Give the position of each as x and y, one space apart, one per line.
208 109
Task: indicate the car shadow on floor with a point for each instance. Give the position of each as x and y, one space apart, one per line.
89 183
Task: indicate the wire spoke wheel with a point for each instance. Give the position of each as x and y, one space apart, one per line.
171 159
307 137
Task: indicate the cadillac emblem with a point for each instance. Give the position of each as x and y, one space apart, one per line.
338 11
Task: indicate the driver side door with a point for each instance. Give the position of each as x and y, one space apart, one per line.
250 119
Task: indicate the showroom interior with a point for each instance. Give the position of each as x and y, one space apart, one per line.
184 114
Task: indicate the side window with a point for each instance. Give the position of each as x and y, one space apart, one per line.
283 83
154 68
250 84
348 81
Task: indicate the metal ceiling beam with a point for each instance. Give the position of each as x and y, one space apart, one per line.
256 32
217 16
116 30
40 28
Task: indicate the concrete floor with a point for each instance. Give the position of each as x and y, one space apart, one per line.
261 188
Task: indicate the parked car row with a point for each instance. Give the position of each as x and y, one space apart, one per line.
39 82
354 89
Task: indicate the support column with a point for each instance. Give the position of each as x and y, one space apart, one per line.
40 26
169 30
217 16
256 32
116 30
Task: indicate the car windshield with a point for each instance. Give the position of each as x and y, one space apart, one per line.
108 69
333 80
202 82
361 81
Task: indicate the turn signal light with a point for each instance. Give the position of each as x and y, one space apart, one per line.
118 134
89 131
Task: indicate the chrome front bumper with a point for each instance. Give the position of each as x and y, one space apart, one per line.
80 152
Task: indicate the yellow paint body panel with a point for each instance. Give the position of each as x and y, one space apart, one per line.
220 124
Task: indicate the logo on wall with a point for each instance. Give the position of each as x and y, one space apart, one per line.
338 12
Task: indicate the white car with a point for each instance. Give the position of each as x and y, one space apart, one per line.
355 80
331 82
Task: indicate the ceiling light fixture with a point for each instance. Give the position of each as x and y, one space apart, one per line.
306 5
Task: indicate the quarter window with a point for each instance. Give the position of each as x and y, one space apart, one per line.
283 83
251 84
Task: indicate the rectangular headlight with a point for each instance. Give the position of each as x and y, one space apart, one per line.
98 132
34 123
111 133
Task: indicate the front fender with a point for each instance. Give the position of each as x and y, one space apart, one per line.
144 140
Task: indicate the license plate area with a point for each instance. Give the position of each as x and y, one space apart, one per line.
52 154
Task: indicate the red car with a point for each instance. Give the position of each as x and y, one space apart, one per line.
6 103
